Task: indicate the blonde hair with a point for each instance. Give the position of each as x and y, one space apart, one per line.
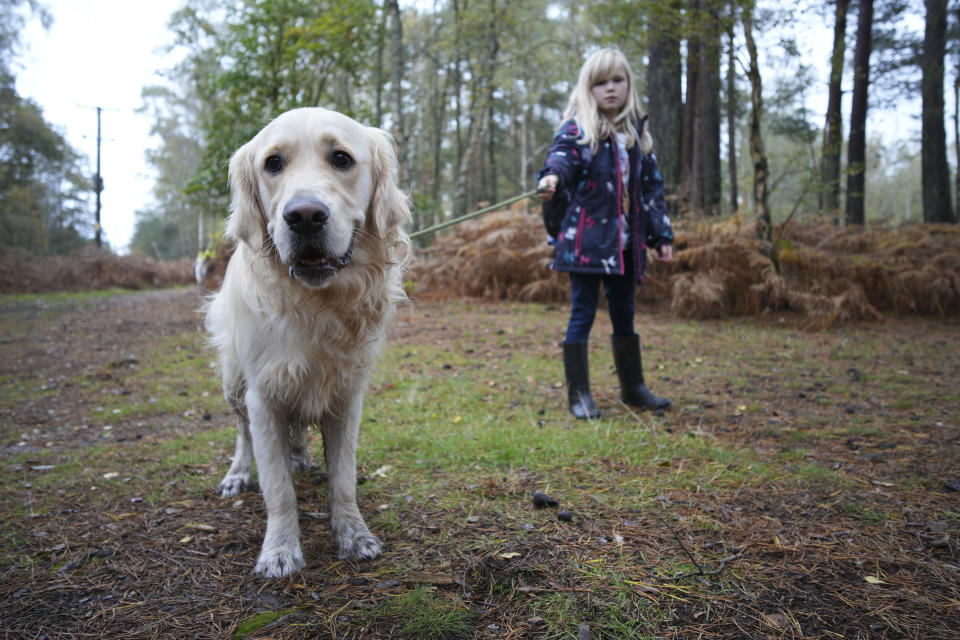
594 126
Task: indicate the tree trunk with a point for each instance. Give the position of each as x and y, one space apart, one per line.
689 149
857 145
757 152
732 122
396 83
956 129
665 96
933 150
833 129
440 97
459 186
710 180
378 70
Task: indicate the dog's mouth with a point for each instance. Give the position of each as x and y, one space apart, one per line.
315 267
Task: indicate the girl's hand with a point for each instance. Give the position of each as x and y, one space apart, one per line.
665 253
546 187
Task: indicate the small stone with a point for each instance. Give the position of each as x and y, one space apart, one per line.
564 516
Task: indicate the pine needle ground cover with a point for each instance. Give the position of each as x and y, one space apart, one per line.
805 485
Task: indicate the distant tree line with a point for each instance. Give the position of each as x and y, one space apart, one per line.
473 91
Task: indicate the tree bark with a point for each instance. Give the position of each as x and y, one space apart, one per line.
665 95
396 83
933 149
833 129
757 152
378 70
710 179
732 122
459 186
956 129
857 144
689 150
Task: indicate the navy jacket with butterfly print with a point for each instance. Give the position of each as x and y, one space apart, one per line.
590 239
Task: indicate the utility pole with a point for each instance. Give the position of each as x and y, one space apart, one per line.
98 179
98 183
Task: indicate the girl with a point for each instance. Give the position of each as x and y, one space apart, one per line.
602 154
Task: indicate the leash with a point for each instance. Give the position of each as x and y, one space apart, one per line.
470 216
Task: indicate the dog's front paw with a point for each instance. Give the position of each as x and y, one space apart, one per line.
357 542
279 562
233 484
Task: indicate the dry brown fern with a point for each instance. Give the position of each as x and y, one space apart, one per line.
827 274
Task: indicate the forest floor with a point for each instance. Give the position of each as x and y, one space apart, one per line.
805 484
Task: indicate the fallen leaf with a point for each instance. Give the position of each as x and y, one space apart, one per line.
777 620
510 554
382 471
874 580
199 526
111 475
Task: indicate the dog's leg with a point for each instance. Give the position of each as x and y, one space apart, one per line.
237 479
281 554
340 432
299 454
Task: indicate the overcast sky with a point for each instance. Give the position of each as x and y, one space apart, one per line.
101 53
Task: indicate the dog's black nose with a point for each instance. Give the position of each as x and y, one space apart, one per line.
305 216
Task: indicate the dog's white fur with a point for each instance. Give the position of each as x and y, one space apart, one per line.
297 343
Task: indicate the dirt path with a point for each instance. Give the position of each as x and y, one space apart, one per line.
127 378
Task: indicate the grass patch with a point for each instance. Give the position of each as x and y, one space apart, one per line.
423 614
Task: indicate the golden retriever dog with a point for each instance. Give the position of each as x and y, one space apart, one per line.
302 312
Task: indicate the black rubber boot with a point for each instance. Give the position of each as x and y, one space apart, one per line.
576 371
633 391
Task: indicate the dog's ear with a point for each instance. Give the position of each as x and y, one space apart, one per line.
389 207
247 220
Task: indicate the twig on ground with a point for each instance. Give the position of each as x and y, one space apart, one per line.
721 564
682 546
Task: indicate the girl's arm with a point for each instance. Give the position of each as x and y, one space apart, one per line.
659 229
564 157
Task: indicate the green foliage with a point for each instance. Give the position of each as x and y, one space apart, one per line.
266 57
42 199
244 64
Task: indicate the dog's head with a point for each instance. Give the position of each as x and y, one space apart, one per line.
311 186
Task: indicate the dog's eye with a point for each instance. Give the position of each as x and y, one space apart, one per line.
342 160
273 164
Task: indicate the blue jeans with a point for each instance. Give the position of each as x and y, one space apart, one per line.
585 296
